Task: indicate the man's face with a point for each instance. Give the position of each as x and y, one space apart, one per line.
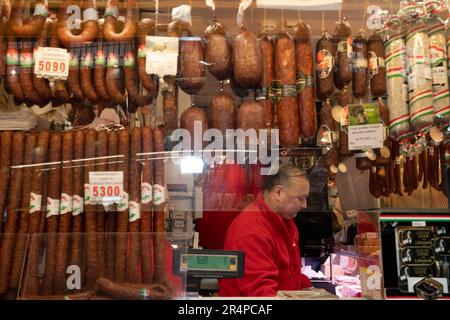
291 198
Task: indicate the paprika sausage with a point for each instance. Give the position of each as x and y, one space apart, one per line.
131 21
325 52
376 65
146 206
149 82
285 72
89 28
12 210
304 54
343 41
52 216
42 85
262 93
360 67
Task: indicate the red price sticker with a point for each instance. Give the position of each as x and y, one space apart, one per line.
52 63
106 187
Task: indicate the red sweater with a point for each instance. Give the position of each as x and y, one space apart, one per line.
272 256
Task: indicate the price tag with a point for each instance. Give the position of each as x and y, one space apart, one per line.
106 187
52 63
162 55
365 136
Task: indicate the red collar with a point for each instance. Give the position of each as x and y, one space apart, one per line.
264 207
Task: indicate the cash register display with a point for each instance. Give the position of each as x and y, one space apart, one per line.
208 262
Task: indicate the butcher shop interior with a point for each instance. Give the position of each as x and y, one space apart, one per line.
176 149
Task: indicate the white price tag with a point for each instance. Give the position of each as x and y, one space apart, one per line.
52 63
106 187
368 136
162 55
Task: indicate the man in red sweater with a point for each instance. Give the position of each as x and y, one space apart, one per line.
266 232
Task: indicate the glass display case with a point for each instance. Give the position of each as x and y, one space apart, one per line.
96 266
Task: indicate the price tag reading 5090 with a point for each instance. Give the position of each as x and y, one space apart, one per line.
52 63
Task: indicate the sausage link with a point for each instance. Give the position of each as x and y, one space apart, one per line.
113 75
325 52
218 51
343 40
159 250
191 70
12 210
13 70
131 21
344 151
146 207
59 88
285 72
89 28
247 60
134 265
122 216
2 50
52 216
62 245
222 113
90 213
5 169
304 57
262 94
101 165
149 82
21 241
73 79
31 26
26 74
170 105
130 291
360 65
111 217
87 87
376 65
42 85
189 117
36 217
130 76
78 201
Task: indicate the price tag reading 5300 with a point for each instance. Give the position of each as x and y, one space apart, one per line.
106 187
52 63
